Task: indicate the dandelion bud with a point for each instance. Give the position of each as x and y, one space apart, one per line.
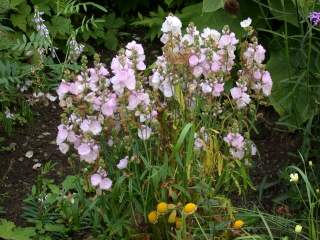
190 208
172 217
238 224
153 217
298 229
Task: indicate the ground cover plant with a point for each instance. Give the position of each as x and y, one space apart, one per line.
196 134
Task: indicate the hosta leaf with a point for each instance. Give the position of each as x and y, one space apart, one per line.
212 5
291 96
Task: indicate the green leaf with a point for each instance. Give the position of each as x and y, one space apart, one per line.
14 3
4 6
60 25
69 183
55 228
212 5
9 231
20 18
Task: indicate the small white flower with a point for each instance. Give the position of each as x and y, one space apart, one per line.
144 132
8 114
29 154
172 24
51 97
246 23
310 163
110 142
298 228
36 166
294 177
253 149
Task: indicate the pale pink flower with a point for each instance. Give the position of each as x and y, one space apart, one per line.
109 107
123 163
218 88
95 179
62 134
193 60
64 148
266 83
105 184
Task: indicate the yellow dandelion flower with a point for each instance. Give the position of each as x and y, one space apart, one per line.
190 208
172 217
178 223
238 224
153 217
162 208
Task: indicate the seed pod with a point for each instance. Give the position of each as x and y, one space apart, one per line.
232 6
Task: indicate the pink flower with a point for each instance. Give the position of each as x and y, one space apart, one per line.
236 92
95 179
109 107
88 153
76 88
215 66
123 163
95 127
206 88
257 74
259 54
217 89
62 134
197 71
240 96
193 60
124 78
236 153
135 53
133 101
166 88
266 83
64 148
84 149
63 89
103 71
105 184
235 140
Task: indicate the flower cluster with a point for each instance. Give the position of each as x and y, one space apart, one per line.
39 22
236 143
315 18
163 208
194 67
210 56
75 49
97 100
100 180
